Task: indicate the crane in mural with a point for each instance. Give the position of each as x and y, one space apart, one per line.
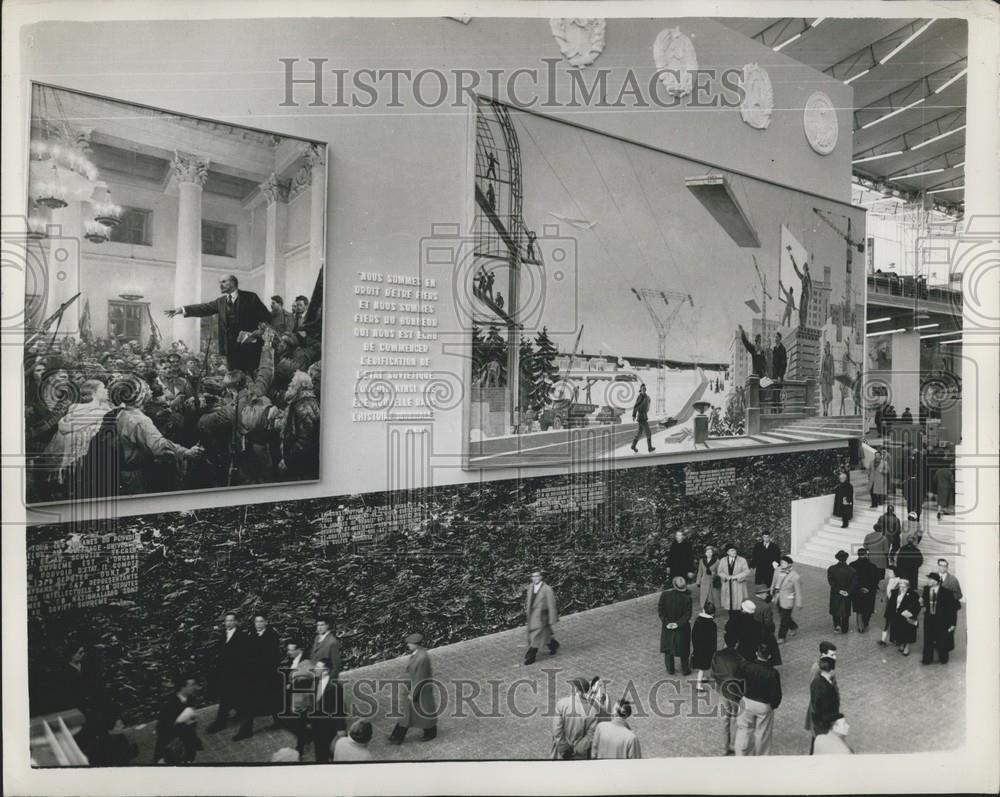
650 298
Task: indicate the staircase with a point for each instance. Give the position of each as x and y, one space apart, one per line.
939 538
811 429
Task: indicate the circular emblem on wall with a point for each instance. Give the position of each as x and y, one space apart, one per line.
758 99
580 40
675 57
820 122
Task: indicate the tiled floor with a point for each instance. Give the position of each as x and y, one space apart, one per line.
509 718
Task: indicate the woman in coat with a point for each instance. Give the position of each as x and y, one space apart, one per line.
708 578
420 710
675 625
903 601
878 479
733 573
843 499
704 639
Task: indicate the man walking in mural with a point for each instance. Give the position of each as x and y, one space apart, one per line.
805 291
640 413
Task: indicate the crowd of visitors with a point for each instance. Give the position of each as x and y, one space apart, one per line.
111 416
257 674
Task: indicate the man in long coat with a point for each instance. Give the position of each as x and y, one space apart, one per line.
265 688
843 581
675 625
843 499
890 528
746 629
540 611
240 313
877 546
940 619
766 554
574 724
228 677
734 572
680 558
869 576
420 707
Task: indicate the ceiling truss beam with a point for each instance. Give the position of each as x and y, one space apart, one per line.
910 95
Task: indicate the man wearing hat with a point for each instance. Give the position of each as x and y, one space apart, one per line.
540 609
786 591
843 581
574 724
761 698
734 572
763 614
675 625
940 619
745 628
890 529
863 598
420 709
909 560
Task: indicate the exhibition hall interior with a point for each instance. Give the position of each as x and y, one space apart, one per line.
641 386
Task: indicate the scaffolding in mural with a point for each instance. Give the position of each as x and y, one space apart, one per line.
500 233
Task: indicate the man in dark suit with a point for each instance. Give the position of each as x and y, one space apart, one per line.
265 690
326 646
240 313
824 694
229 674
680 558
779 359
843 581
675 625
640 414
890 528
758 362
725 666
764 559
940 618
328 716
746 630
869 576
177 721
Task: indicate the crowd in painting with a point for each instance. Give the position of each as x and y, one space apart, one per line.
109 416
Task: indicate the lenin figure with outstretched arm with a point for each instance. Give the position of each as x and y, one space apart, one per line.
238 312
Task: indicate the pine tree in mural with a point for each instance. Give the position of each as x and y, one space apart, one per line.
546 370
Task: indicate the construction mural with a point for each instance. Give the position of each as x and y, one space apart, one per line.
628 302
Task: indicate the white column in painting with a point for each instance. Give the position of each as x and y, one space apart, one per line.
316 160
276 194
62 281
190 173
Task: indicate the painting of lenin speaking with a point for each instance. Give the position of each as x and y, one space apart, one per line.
173 334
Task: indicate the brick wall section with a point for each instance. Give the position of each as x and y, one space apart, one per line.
450 562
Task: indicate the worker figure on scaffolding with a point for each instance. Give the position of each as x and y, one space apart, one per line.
640 413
